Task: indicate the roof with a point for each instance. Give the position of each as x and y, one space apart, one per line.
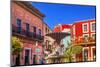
66 25
88 20
32 8
27 5
47 26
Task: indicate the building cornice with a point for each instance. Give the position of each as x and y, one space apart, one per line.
30 8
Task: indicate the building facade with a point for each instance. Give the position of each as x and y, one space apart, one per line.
64 28
61 32
27 25
48 41
84 34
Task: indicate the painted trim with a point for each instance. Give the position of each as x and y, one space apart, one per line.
83 52
91 27
92 52
93 34
85 34
73 29
66 30
29 54
87 27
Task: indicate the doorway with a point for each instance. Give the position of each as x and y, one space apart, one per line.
27 57
85 55
34 59
18 60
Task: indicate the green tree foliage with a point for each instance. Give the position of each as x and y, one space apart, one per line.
16 46
69 52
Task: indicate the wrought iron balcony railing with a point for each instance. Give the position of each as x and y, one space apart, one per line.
23 32
83 40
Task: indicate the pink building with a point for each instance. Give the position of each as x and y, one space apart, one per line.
27 25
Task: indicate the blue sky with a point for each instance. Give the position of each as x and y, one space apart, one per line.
64 14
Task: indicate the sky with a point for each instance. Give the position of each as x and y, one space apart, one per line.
64 13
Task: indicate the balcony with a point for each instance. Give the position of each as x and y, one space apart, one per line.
23 33
84 42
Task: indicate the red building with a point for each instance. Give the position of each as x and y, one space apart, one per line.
62 28
83 34
27 25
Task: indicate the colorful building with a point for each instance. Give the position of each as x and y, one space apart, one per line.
28 26
48 41
61 35
84 34
35 35
64 28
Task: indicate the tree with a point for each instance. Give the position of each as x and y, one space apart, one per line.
69 52
16 46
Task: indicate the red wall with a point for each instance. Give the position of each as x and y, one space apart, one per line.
60 28
79 30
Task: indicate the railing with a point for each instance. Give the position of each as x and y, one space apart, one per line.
83 40
23 32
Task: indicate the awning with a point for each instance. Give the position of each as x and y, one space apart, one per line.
58 35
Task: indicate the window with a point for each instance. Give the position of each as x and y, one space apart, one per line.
85 28
34 29
46 30
49 46
86 37
93 26
39 31
93 36
18 21
27 27
47 43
